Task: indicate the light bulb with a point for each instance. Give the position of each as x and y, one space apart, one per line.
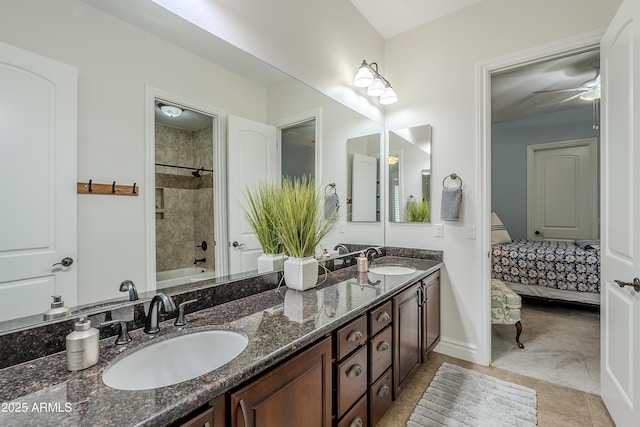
592 95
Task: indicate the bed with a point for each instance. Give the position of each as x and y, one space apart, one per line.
568 271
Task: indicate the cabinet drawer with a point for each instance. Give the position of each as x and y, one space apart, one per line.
351 380
357 416
381 353
380 397
380 317
351 336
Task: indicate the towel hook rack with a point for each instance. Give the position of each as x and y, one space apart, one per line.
332 186
453 177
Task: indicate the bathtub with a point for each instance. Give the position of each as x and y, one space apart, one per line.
181 276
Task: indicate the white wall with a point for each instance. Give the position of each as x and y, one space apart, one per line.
509 142
433 72
115 61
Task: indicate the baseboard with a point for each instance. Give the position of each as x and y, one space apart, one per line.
458 349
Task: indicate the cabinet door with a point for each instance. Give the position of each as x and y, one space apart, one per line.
407 331
430 314
296 393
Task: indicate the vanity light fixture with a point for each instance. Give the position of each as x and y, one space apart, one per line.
369 77
170 110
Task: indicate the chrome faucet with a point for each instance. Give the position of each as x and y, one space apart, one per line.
128 285
341 247
370 252
151 325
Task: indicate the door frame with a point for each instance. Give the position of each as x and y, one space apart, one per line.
219 117
483 71
286 122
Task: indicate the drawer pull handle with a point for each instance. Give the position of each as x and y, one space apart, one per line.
243 408
384 390
354 336
383 317
357 422
383 346
354 371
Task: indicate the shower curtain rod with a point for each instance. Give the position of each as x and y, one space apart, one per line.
202 169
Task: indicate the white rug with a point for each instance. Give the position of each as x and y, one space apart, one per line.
459 397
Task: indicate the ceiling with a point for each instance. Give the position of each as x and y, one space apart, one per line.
392 17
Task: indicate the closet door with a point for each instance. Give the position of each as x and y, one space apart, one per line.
38 120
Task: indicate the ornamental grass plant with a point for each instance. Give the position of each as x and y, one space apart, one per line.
260 209
418 211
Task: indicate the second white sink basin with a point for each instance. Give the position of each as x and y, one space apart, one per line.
175 360
392 270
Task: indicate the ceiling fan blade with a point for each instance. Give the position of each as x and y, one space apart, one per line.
575 89
572 97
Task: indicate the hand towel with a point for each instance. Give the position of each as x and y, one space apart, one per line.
331 205
450 206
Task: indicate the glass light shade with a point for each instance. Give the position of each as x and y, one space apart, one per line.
170 110
376 88
389 96
592 95
364 76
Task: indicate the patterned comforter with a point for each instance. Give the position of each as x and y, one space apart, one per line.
560 265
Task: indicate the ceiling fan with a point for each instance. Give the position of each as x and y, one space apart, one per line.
589 89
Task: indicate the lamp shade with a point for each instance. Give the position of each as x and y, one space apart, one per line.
364 76
376 88
389 96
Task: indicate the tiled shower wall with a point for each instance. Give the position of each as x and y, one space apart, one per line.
184 203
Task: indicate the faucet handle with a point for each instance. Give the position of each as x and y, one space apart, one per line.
181 320
123 337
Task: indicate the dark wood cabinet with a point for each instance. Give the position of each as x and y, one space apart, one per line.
407 320
380 397
416 317
431 314
351 381
296 393
214 415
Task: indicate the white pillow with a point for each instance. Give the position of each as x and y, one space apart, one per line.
499 233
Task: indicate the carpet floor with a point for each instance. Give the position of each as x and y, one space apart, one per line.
562 345
461 397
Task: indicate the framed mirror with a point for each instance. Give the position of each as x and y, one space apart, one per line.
409 168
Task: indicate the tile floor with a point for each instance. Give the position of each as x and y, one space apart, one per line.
557 405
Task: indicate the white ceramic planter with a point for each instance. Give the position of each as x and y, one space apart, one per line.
270 262
300 306
301 273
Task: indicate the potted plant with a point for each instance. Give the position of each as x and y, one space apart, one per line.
418 211
301 225
260 211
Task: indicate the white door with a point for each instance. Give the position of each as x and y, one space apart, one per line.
253 157
562 189
38 118
620 133
364 178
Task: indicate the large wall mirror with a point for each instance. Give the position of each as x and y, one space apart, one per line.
409 166
241 86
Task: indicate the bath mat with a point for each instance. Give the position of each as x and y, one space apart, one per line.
461 397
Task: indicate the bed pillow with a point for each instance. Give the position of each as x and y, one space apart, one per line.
499 233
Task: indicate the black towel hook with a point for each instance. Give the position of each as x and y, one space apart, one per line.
134 188
90 189
113 187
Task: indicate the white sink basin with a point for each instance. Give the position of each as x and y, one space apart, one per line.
392 270
175 360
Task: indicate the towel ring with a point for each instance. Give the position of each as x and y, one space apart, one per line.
453 177
332 186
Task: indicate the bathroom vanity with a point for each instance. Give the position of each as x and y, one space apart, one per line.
336 354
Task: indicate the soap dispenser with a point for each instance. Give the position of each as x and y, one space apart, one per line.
57 309
83 346
362 263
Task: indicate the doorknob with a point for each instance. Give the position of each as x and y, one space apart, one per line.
635 284
65 262
235 244
538 233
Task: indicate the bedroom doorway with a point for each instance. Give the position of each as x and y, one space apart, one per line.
561 341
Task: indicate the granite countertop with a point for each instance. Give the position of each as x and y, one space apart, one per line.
277 323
